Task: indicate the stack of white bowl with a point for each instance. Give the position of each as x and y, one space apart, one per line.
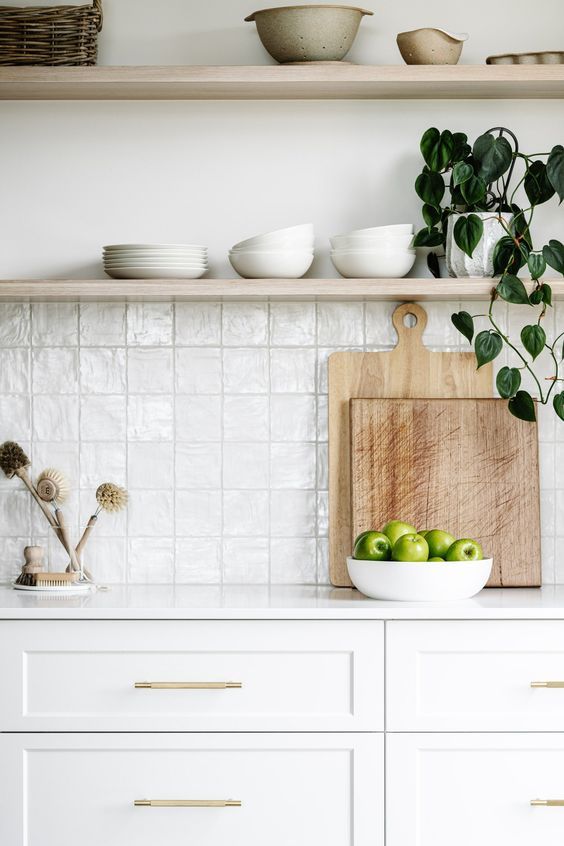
155 261
382 252
282 254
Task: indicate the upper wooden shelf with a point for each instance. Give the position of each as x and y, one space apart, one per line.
275 82
406 290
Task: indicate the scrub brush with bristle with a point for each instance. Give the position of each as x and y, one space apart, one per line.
111 498
14 462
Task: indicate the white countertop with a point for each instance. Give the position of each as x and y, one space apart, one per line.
247 602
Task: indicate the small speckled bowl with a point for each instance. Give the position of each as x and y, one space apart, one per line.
319 33
431 46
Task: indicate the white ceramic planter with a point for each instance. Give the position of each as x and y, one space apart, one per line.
481 264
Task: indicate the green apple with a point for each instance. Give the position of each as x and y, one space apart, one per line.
411 547
439 543
424 533
394 529
465 549
437 558
372 546
360 537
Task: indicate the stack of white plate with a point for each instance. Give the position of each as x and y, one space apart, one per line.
382 252
285 253
155 261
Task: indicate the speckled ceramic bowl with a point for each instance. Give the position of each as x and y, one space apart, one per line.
319 33
431 46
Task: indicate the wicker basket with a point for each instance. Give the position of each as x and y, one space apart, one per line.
50 35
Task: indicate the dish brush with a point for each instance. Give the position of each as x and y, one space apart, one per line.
111 498
34 578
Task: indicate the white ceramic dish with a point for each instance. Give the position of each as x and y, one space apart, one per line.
275 265
397 228
374 265
67 591
155 272
275 247
430 581
110 247
155 253
156 262
372 242
302 234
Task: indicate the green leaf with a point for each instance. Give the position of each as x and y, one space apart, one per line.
507 257
520 227
494 156
537 265
464 323
488 346
430 188
461 172
537 184
462 148
431 215
555 170
536 297
554 255
534 339
547 294
467 233
523 407
512 290
473 190
508 382
428 238
437 148
558 403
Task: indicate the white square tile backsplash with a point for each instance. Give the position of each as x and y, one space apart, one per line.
214 416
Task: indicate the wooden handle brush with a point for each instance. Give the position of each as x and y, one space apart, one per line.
111 498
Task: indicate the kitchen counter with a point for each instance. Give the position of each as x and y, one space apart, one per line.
248 602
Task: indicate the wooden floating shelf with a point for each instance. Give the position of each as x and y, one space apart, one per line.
275 82
405 290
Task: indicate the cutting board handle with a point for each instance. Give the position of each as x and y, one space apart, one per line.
409 336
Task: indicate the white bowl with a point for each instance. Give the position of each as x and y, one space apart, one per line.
155 272
274 265
292 235
344 242
397 228
374 265
430 581
276 247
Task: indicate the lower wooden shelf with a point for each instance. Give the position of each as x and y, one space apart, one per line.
404 290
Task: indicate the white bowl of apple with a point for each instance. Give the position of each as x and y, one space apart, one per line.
401 564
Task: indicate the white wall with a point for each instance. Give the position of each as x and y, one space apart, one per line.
75 176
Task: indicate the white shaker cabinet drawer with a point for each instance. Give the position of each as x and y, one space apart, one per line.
475 676
248 790
445 789
191 676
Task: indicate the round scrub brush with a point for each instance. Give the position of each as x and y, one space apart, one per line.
14 462
53 486
111 498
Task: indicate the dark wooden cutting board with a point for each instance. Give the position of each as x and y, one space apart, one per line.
463 465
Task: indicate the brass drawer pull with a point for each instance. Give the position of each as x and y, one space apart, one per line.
187 803
553 684
188 685
548 803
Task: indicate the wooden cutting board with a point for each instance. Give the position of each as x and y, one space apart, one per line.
409 370
466 466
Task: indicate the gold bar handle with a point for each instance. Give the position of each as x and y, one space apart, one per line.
187 803
548 803
552 684
188 685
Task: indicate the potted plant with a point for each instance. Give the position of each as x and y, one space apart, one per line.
482 222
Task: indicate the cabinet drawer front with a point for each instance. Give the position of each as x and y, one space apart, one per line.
475 676
475 788
253 676
294 789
